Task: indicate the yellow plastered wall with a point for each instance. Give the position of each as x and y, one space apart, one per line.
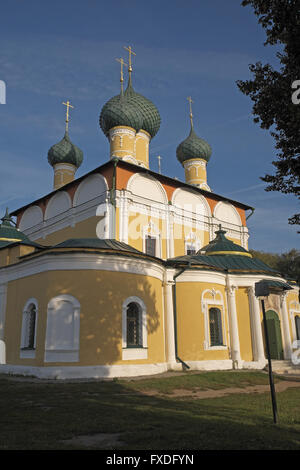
100 314
181 232
11 255
293 308
142 148
195 171
191 322
244 326
137 224
84 229
63 176
122 141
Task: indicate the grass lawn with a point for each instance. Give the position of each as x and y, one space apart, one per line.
145 415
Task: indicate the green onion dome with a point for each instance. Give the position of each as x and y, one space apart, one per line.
222 246
8 231
130 109
193 147
65 152
118 111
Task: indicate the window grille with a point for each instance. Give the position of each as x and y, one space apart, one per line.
133 325
190 250
30 321
215 326
150 245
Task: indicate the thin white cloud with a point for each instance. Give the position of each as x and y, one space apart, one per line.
87 69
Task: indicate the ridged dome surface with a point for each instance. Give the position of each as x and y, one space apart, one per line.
133 110
118 111
65 152
193 147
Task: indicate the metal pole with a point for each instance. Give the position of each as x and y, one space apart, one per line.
272 388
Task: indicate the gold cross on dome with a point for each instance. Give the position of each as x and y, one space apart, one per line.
122 76
68 105
129 60
159 163
191 112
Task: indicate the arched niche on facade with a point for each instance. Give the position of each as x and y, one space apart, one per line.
191 202
227 213
90 188
59 203
147 187
32 216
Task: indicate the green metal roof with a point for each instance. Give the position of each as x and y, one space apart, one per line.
236 263
97 243
193 147
222 245
65 152
224 255
9 233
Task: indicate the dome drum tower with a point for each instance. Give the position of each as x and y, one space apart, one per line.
129 121
194 153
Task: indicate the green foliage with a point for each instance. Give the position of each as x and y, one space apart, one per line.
287 264
271 91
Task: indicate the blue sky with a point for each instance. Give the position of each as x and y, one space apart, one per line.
60 50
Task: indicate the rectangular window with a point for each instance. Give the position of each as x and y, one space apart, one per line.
190 250
215 326
150 245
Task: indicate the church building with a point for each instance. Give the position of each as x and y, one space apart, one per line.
125 271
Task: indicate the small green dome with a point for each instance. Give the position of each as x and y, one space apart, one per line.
65 152
118 111
193 147
222 246
9 233
130 109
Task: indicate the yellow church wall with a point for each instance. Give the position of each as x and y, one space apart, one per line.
142 148
100 314
293 308
84 229
244 326
137 225
4 258
181 232
191 322
122 141
12 254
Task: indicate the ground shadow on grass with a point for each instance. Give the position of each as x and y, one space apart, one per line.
38 415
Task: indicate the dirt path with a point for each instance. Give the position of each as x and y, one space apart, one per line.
196 393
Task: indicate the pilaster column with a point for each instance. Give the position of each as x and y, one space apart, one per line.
169 322
286 328
3 292
233 327
258 344
170 233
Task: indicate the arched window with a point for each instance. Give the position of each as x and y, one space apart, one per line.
297 322
62 334
215 327
134 329
134 337
28 333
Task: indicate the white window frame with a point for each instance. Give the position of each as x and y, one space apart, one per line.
26 353
207 303
139 352
71 353
191 241
152 231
